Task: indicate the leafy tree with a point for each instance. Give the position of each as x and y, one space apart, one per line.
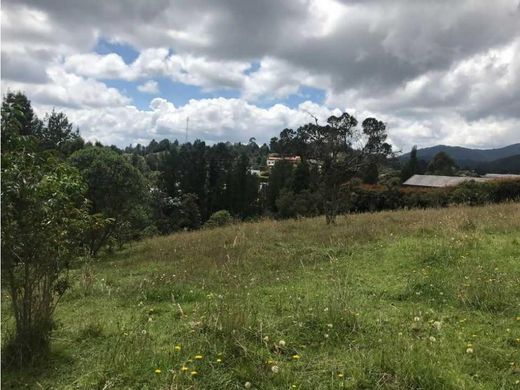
280 178
301 177
115 187
43 221
189 214
243 189
57 132
411 167
332 144
441 164
18 121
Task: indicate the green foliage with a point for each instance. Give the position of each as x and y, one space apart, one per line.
115 189
44 215
411 167
218 219
441 164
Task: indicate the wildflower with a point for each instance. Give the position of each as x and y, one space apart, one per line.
296 357
281 343
270 361
417 319
193 373
219 360
199 357
437 325
340 375
266 338
400 333
177 348
293 386
247 385
432 339
275 369
157 370
326 335
469 350
329 325
184 368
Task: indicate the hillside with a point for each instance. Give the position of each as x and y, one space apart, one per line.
461 154
421 299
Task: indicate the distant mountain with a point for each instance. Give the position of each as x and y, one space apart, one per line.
464 156
503 165
502 160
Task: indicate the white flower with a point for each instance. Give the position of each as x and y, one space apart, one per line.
266 338
437 325
329 325
432 339
247 385
469 350
417 319
275 369
281 343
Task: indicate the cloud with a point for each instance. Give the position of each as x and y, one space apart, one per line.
438 71
150 87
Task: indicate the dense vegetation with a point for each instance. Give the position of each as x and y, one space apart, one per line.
67 202
421 299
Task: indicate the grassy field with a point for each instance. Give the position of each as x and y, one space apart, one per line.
423 299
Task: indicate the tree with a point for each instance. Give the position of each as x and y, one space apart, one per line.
44 212
114 188
411 167
280 178
301 177
441 164
56 132
18 121
333 145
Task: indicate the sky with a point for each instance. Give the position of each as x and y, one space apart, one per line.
125 72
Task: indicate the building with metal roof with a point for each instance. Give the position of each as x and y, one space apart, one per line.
441 181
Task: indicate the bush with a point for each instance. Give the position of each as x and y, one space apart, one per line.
219 218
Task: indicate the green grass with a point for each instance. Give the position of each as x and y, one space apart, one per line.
422 299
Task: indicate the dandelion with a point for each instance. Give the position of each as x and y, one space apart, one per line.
340 375
184 368
281 343
219 360
296 357
469 350
199 357
157 370
275 369
177 348
417 319
194 373
247 385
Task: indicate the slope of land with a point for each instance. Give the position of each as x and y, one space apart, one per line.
422 299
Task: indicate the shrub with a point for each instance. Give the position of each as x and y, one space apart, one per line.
219 218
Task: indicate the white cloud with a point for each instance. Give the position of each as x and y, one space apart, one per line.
151 87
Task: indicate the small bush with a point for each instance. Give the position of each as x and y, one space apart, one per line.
218 219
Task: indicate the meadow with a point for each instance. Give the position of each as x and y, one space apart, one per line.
419 299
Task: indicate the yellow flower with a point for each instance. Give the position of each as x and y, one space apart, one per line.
340 375
157 370
296 357
184 368
193 373
198 357
219 360
177 348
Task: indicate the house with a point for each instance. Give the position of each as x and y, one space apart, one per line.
273 158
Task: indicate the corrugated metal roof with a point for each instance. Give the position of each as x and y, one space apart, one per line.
439 181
